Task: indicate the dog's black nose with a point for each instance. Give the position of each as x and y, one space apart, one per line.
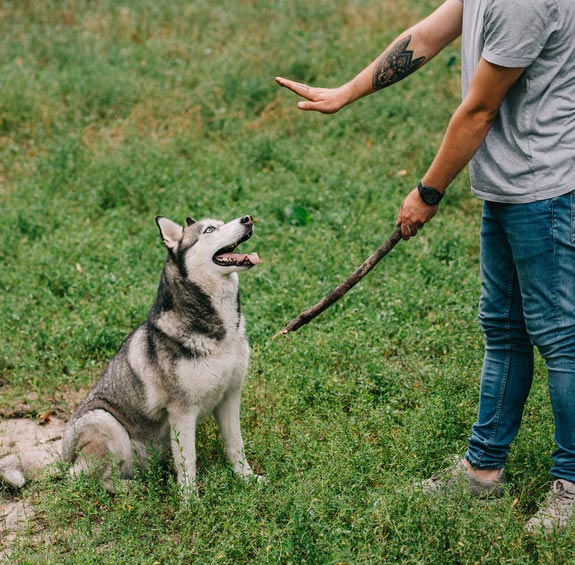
246 220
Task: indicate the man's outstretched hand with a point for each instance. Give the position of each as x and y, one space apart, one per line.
324 100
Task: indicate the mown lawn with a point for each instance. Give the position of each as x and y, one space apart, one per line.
112 113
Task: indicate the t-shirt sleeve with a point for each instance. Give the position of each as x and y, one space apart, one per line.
515 31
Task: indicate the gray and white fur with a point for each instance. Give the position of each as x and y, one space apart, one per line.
186 361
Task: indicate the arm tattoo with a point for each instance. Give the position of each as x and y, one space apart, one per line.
395 64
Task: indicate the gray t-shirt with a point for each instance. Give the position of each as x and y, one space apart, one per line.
529 153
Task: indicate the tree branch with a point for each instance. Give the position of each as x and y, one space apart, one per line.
344 287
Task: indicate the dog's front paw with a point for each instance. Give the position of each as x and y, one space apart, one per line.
188 496
118 486
188 490
253 478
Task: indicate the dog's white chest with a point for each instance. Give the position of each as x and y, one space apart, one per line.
205 380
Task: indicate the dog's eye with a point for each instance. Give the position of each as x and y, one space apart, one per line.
209 229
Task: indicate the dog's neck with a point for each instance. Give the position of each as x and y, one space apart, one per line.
185 308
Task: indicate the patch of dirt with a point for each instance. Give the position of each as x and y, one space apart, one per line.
61 401
27 447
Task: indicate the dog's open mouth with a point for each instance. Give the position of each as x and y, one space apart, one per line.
227 257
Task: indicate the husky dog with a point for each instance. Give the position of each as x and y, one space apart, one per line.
185 362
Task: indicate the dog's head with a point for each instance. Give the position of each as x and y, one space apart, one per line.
208 244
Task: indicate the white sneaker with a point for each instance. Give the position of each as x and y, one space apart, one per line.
457 477
556 510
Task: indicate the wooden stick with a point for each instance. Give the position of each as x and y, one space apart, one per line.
345 286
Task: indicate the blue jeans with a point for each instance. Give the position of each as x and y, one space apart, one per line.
527 299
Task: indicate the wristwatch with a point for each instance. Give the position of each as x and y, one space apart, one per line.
429 195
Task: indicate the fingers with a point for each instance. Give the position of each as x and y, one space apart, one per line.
408 230
413 214
299 88
324 100
317 106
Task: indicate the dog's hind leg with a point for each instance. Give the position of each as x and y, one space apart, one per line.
11 471
227 415
97 443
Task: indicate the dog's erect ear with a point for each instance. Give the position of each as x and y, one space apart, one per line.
171 232
190 221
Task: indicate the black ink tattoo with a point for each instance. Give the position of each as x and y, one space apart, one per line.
395 64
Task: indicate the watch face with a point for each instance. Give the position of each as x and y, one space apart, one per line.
430 195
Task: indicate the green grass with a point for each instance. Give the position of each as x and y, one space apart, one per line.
111 114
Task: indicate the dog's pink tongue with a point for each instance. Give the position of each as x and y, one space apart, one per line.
238 258
253 258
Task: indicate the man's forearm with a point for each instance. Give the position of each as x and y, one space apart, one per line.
398 61
395 64
409 51
465 133
471 122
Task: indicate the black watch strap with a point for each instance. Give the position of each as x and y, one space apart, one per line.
429 195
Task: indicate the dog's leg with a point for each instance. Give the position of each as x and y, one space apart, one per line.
227 415
183 441
95 444
11 471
